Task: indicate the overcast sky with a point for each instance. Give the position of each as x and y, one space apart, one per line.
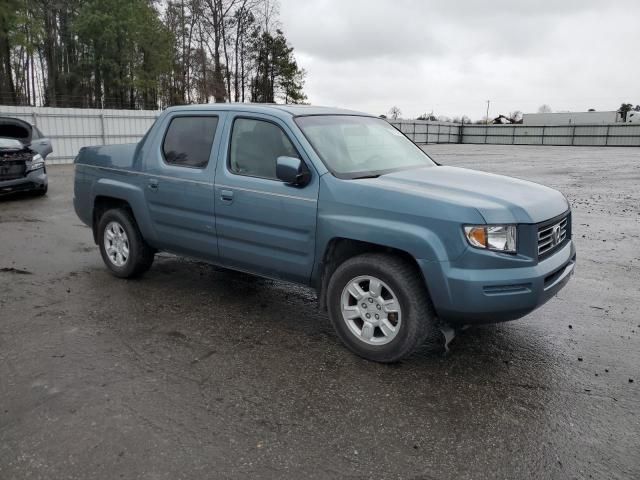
451 56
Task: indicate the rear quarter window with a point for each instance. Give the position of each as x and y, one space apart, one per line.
188 141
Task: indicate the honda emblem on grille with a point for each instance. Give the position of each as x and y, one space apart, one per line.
555 235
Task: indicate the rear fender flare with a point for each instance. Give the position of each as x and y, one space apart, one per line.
134 196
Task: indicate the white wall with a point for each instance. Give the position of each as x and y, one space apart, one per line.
570 118
613 135
426 131
72 128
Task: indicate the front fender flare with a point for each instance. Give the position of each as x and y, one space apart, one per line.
417 240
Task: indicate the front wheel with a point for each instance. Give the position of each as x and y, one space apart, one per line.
122 247
380 307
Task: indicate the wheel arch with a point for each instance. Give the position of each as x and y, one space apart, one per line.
109 193
101 204
340 249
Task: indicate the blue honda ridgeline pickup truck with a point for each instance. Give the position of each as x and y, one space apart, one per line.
336 200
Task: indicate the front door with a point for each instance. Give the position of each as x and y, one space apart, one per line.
263 225
40 143
179 184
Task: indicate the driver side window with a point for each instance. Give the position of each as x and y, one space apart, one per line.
255 146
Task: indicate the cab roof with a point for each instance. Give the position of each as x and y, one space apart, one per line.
270 108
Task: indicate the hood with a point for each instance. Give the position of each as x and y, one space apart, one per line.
497 198
17 129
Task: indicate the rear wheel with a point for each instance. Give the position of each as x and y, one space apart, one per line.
380 308
122 247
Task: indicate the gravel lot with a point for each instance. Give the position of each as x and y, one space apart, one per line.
194 372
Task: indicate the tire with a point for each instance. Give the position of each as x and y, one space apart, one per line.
42 192
139 255
416 322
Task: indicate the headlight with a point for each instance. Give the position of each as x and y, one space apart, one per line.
36 162
499 238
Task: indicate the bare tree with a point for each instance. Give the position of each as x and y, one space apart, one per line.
428 116
270 12
515 116
244 18
395 112
544 108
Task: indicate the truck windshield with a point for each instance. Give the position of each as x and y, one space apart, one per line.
357 147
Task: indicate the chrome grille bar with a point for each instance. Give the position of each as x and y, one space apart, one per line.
551 236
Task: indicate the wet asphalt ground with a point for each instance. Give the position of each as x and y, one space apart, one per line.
193 372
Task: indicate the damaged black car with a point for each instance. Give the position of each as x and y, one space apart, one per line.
22 167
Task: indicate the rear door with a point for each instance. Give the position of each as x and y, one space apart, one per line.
263 225
179 183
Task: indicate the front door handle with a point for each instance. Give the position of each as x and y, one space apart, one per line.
226 196
153 185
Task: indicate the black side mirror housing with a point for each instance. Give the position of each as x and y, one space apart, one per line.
292 171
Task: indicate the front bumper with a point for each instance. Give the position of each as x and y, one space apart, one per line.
466 296
36 180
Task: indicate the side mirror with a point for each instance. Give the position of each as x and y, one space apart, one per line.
292 171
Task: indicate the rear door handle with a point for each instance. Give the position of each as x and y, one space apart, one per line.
226 196
153 185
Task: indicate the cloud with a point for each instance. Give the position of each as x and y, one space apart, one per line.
453 56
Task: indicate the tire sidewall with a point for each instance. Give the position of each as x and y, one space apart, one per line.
123 219
409 320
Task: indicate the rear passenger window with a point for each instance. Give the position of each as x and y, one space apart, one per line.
188 141
255 146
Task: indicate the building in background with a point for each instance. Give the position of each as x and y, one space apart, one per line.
571 118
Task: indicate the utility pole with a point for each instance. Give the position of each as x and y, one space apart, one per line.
488 102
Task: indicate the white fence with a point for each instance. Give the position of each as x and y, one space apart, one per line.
72 128
425 131
607 135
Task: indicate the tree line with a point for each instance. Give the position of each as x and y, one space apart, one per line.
144 53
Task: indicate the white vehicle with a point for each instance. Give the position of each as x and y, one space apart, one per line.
633 116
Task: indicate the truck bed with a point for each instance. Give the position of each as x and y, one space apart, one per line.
109 156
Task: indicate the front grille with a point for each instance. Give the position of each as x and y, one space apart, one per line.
12 170
551 236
